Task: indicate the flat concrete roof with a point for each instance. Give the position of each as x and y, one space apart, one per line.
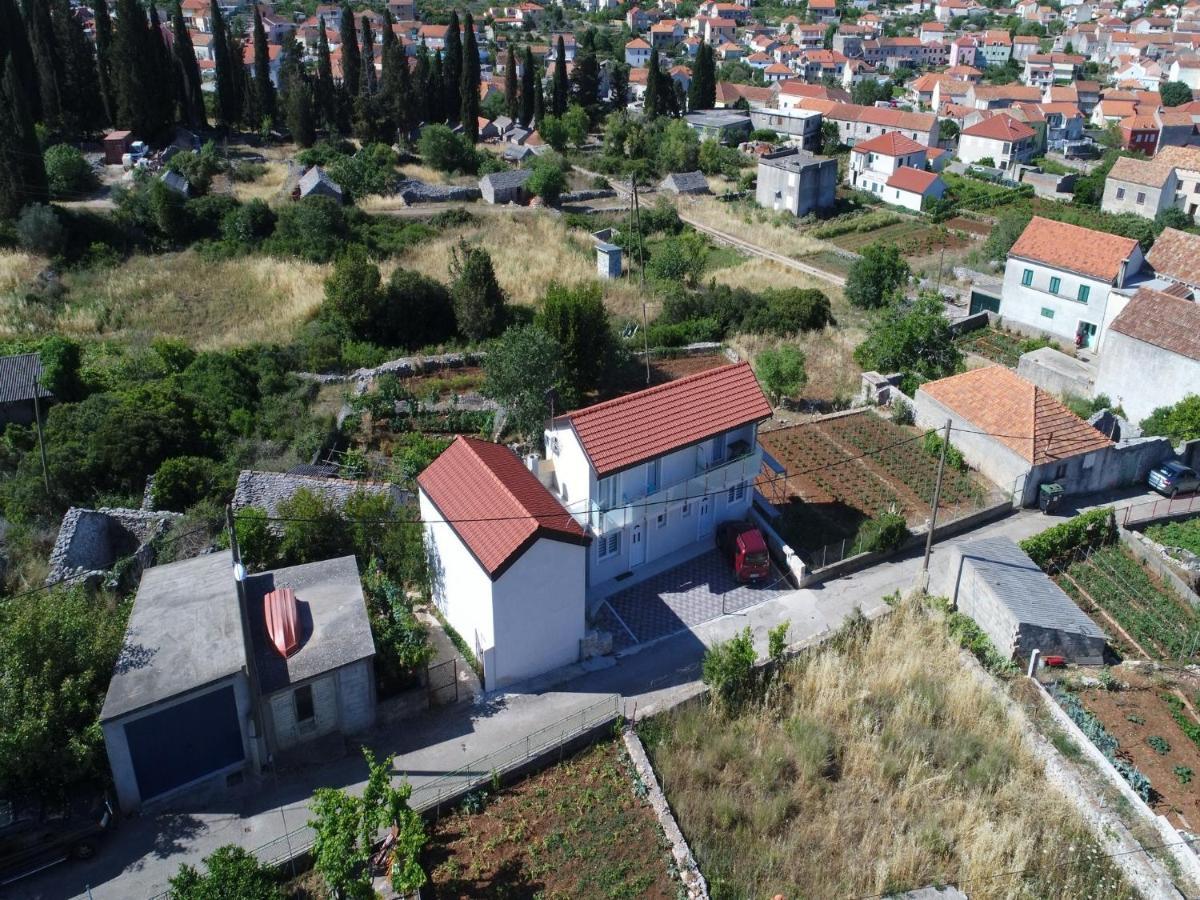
334 627
1059 362
185 631
1027 591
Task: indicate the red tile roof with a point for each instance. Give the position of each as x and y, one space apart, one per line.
1017 414
1074 248
1000 128
623 432
916 181
494 504
1163 321
891 143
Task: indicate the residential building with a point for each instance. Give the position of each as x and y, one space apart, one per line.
505 187
507 562
728 94
1044 69
1175 258
995 48
1059 278
795 181
1144 187
1151 357
861 123
1001 139
637 53
873 162
910 188
798 126
652 474
721 125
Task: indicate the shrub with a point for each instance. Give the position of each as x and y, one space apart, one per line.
249 224
1178 423
932 444
1159 744
40 231
313 229
548 180
680 259
728 668
1183 773
876 276
372 170
183 481
973 639
61 360
69 174
258 544
1057 546
885 533
777 640
229 872
669 335
446 151
781 371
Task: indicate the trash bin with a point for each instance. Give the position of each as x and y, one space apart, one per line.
1049 497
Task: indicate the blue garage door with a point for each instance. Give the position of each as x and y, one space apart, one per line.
185 742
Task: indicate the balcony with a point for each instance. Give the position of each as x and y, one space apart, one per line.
717 477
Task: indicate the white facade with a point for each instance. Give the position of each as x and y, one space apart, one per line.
870 171
1140 377
972 148
529 620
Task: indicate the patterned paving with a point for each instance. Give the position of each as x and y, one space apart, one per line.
696 591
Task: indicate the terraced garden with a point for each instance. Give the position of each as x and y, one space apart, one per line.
913 236
846 470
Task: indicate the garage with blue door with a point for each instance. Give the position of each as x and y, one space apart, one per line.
178 705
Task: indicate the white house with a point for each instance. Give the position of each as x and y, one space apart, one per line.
873 162
507 562
637 53
1059 278
652 474
1001 139
908 187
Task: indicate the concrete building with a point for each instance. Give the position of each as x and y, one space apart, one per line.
799 126
608 260
873 162
1059 278
861 123
1015 433
1186 163
1144 187
910 188
1018 606
796 181
724 126
652 474
507 562
1001 139
1152 355
505 187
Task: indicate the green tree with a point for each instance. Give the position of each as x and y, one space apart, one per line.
781 371
312 529
1175 93
445 151
83 108
948 129
548 180
47 60
512 97
521 367
469 113
182 481
351 55
190 95
831 138
259 545
560 92
104 76
419 311
229 100
1008 227
40 230
578 320
16 36
352 291
231 873
325 102
68 173
585 77
62 362
264 90
554 132
1178 423
728 668
653 103
528 75
576 123
682 258
702 92
912 338
479 301
22 171
878 273
452 69
59 649
679 148
368 85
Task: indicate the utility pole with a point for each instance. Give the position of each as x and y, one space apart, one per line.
37 416
941 259
937 496
635 211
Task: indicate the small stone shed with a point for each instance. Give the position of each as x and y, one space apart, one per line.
317 183
505 187
684 183
1018 606
91 541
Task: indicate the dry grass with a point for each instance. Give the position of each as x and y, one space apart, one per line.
528 252
767 229
267 188
211 305
833 375
17 269
877 764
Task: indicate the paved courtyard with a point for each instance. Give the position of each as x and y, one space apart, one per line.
696 591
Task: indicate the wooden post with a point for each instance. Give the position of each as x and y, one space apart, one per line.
937 496
37 418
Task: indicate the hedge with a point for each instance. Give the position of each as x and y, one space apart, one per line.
1056 546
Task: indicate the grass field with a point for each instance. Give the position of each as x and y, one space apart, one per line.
912 236
749 223
867 769
211 305
574 830
1184 535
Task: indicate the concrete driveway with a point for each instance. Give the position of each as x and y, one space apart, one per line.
693 592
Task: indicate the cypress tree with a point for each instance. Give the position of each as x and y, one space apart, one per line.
166 89
47 61
351 59
22 173
369 85
227 103
559 90
618 86
539 101
512 100
264 90
298 97
81 93
12 27
104 39
325 91
586 76
652 104
191 98
388 38
452 70
437 90
702 93
135 73
396 89
470 82
527 88
421 77
242 83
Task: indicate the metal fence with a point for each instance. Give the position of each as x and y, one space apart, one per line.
432 794
1140 513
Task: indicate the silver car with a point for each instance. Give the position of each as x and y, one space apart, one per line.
1173 478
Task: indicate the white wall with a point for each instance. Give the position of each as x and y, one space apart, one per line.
1024 303
539 612
571 468
462 590
1141 377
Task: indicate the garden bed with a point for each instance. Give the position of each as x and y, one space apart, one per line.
913 237
577 829
845 470
1004 347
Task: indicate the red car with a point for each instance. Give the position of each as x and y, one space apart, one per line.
743 545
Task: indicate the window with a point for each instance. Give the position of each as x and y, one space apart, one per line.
1120 193
1084 290
1027 277
607 492
897 193
1055 284
1141 198
305 711
1047 312
1060 472
686 509
554 445
608 545
661 519
653 475
736 493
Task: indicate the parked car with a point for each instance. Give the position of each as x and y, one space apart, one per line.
743 545
36 835
1173 478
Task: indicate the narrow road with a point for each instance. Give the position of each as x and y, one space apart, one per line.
756 250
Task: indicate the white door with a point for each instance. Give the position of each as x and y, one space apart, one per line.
637 545
704 518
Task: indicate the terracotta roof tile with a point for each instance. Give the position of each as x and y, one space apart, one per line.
891 143
494 504
1018 414
916 181
1176 254
1000 128
1150 172
1164 321
620 433
1187 158
1074 248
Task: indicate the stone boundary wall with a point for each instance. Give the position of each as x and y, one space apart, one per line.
1150 553
401 367
91 541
